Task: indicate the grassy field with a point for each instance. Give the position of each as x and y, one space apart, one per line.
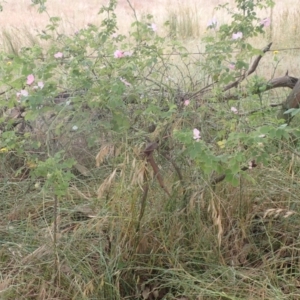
20 23
228 243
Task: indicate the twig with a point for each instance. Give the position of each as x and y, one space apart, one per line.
148 152
222 177
55 277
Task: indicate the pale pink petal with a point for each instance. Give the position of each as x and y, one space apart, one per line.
125 82
40 84
186 102
231 66
234 110
58 55
212 23
154 27
30 79
118 54
237 35
21 93
24 93
127 53
196 134
265 22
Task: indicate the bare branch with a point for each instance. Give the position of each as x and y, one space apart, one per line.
257 60
279 82
249 72
284 81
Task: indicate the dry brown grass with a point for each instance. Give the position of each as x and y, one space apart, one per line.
77 14
191 14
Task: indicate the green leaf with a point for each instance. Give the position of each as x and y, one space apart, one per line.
291 111
231 178
120 122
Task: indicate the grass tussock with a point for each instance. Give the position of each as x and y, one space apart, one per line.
13 39
230 243
184 22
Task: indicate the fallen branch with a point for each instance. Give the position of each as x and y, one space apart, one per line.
279 82
292 101
284 81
